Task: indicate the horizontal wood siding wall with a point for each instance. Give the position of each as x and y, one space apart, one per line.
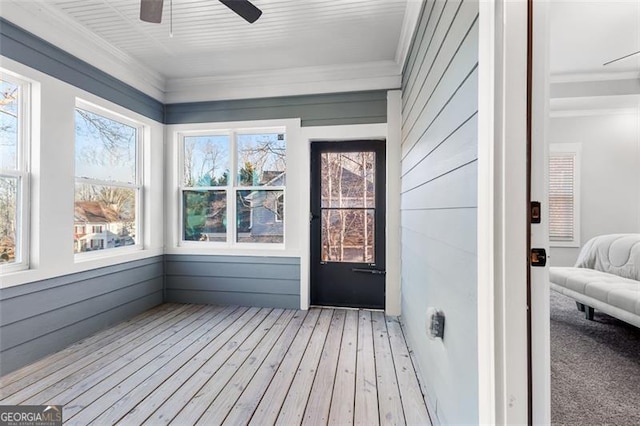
30 50
439 200
314 110
233 280
43 317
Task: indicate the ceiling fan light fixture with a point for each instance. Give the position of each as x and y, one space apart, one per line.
151 10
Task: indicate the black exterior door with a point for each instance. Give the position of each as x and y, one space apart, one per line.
348 224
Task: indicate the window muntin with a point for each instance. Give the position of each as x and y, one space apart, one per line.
232 187
108 186
14 172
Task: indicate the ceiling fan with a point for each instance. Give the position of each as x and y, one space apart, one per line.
151 10
621 58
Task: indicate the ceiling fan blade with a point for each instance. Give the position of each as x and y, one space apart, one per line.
244 8
151 11
621 58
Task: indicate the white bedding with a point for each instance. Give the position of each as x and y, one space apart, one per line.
617 254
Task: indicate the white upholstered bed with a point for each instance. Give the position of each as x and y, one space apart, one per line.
606 277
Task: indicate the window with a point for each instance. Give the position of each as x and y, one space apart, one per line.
108 181
564 229
233 187
14 172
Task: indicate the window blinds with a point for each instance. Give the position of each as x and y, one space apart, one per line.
562 196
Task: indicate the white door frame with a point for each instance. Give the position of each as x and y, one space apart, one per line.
540 315
502 213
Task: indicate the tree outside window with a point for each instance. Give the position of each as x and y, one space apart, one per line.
233 187
108 187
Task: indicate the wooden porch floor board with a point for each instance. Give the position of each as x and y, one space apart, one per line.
196 364
83 352
76 351
97 376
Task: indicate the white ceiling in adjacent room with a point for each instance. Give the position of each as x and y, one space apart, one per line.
586 33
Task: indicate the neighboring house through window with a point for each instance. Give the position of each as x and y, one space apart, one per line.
232 186
564 195
108 180
15 104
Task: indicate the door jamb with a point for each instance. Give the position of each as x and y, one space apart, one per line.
502 214
392 247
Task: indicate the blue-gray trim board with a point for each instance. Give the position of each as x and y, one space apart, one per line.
43 317
233 280
30 50
314 110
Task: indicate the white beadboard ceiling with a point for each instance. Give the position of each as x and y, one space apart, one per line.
210 40
302 44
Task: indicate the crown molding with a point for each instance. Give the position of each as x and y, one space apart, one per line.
409 24
286 82
592 112
44 21
594 76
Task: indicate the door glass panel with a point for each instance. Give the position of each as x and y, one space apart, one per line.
348 235
348 206
348 179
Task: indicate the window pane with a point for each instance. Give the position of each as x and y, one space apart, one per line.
105 149
348 235
206 161
257 217
204 215
261 160
348 179
104 217
8 125
561 197
8 219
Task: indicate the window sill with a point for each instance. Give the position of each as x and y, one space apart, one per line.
222 249
564 244
106 253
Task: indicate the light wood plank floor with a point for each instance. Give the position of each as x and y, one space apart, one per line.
196 364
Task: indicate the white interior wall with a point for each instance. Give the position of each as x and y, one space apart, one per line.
53 181
610 174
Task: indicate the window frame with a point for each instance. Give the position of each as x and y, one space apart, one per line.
137 186
22 172
231 189
575 150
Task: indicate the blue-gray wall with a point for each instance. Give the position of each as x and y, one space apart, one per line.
42 317
438 203
313 110
30 50
233 280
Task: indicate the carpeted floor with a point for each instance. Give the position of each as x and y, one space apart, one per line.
595 367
